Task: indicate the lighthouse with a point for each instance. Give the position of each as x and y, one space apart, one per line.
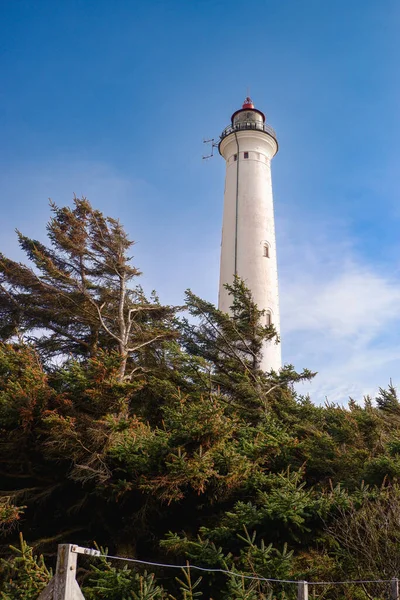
248 247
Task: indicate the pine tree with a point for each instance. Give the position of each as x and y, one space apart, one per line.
231 345
387 399
24 575
78 296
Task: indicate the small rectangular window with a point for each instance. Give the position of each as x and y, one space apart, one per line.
266 250
268 319
246 155
235 157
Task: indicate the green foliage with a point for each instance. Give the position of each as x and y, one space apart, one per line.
9 513
387 400
120 583
240 589
79 292
123 421
24 575
232 346
187 587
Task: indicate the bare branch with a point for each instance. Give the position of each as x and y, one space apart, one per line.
102 320
157 337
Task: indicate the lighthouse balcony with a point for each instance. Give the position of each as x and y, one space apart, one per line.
244 125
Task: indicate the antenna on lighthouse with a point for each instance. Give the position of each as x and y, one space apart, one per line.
214 144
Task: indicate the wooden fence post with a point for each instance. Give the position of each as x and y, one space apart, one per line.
302 590
64 586
394 589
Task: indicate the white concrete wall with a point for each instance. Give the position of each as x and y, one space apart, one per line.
255 227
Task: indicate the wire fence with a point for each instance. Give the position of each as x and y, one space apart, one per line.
64 585
370 589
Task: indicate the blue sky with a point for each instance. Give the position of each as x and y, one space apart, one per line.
111 100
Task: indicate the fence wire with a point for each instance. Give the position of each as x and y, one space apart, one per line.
370 588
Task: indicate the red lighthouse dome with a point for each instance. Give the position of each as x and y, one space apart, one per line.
248 103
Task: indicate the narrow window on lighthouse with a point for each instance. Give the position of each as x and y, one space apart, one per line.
235 157
268 319
246 155
266 250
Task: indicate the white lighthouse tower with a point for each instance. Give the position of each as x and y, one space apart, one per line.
248 247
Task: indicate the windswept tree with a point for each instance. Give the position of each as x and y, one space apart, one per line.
80 293
232 345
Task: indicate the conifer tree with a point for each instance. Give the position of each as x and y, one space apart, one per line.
23 576
232 345
78 296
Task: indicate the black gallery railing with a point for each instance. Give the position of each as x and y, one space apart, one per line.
242 125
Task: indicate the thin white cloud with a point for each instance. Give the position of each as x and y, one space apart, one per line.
352 302
340 316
